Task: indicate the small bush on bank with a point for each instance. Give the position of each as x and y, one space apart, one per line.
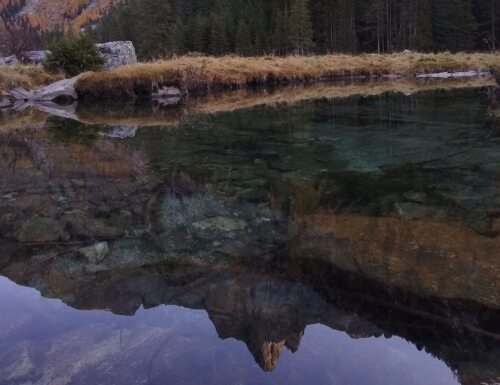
73 56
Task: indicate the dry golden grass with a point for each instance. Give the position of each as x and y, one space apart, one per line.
28 77
201 74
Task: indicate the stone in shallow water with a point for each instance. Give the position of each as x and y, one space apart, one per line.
417 197
95 253
40 229
121 132
221 224
168 95
84 225
411 211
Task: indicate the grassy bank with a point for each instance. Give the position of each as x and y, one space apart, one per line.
202 74
29 77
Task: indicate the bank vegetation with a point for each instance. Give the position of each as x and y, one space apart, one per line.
202 74
28 77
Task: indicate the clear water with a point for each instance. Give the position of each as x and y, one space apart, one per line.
331 241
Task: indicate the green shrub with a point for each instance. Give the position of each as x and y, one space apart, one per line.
73 56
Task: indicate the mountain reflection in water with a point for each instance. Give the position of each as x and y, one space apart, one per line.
351 241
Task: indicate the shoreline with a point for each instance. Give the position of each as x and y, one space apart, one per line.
171 81
112 113
206 75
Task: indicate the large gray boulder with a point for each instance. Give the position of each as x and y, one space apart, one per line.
117 53
35 57
9 61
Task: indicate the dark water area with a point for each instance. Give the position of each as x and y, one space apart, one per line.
330 241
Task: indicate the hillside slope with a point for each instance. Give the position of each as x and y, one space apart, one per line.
50 14
23 20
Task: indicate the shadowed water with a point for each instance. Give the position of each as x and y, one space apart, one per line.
326 241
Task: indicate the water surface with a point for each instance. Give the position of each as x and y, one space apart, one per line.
327 241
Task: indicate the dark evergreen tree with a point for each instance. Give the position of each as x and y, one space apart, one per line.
281 38
219 44
284 27
487 14
454 26
300 26
244 40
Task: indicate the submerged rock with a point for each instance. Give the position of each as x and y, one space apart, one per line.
117 53
84 225
411 211
40 229
417 197
95 253
121 132
221 224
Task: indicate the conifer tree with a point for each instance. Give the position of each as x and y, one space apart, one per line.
243 39
281 37
453 30
301 32
219 44
200 34
257 27
421 35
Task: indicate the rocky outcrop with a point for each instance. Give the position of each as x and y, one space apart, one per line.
9 61
62 188
40 229
62 89
426 258
117 53
34 57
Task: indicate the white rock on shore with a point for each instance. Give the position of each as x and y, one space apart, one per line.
117 53
453 75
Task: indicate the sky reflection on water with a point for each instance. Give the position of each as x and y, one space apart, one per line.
46 339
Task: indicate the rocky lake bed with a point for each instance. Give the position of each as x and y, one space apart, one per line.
162 235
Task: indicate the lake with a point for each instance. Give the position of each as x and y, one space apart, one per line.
312 239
